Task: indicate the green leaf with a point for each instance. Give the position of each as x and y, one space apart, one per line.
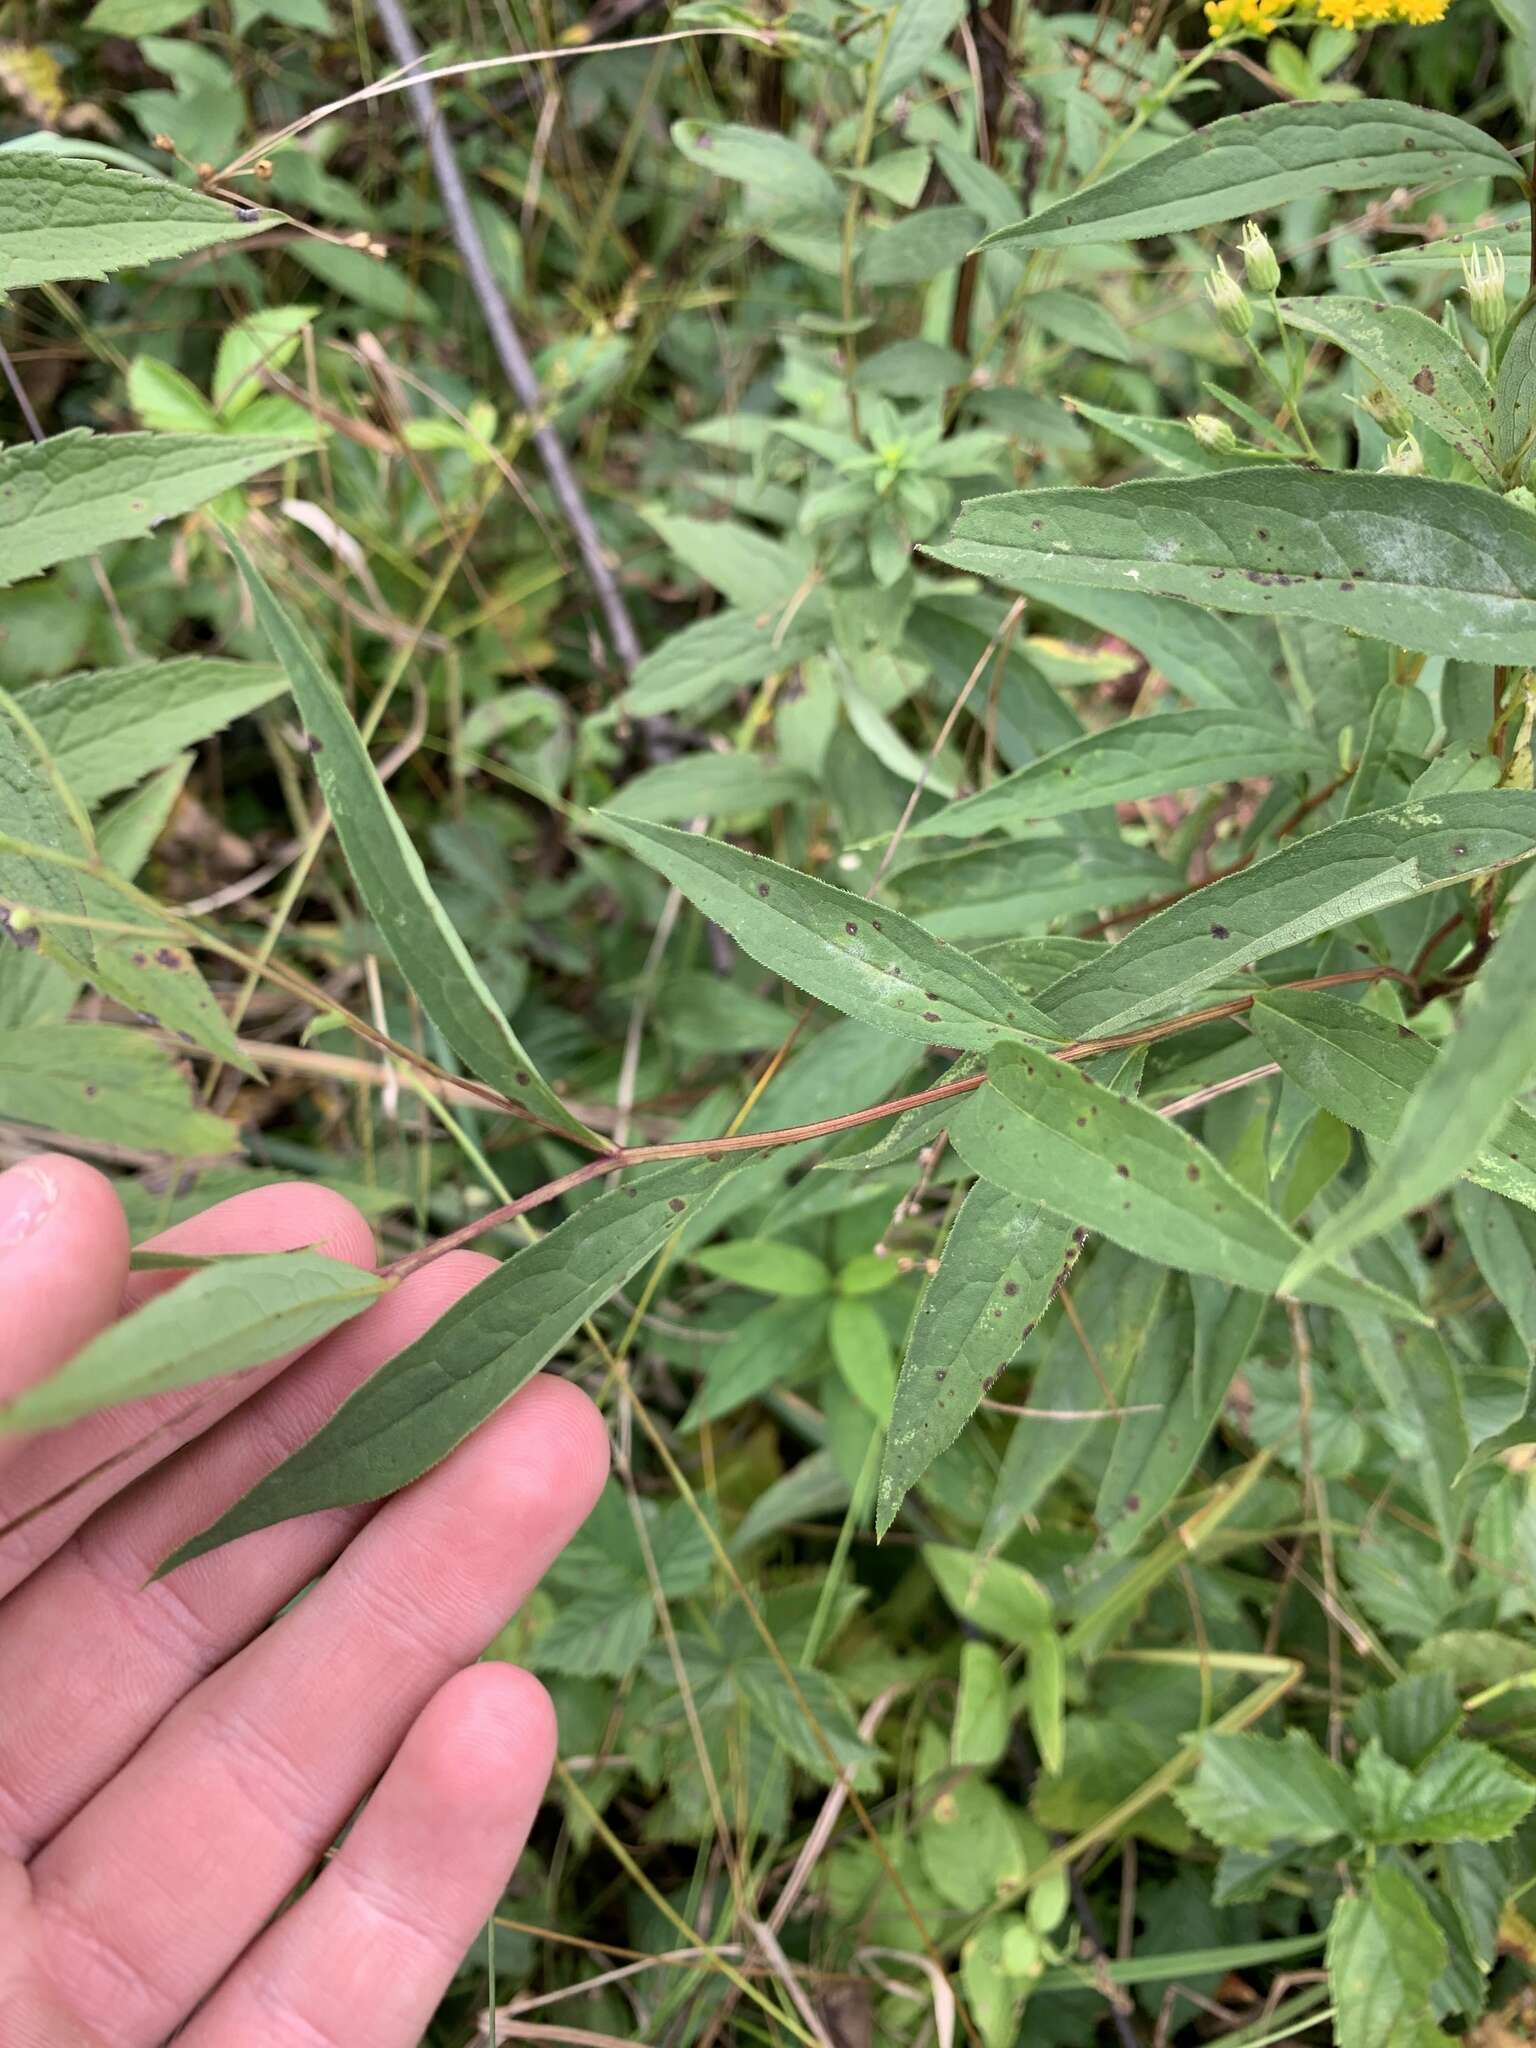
1082 322
1002 1262
770 1268
71 495
708 785
1183 1374
921 247
103 1082
1425 369
221 1319
769 1348
164 399
265 340
413 1411
1311 886
918 32
739 561
1365 1070
1252 1790
153 975
1215 661
1444 568
1464 1791
721 653
998 1596
979 1733
107 728
140 17
1421 1388
1120 1168
1514 418
389 874
861 1351
1248 162
365 280
1384 1954
67 217
766 1690
1171 750
1121 1304
1462 1101
769 165
1047 1697
867 961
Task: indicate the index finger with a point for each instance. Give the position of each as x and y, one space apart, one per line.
63 1261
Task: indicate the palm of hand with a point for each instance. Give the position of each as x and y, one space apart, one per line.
173 1763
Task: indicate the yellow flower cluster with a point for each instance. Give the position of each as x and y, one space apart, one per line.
1263 17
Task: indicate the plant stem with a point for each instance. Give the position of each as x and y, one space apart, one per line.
506 340
833 1126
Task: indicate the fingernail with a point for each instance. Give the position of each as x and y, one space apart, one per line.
27 1194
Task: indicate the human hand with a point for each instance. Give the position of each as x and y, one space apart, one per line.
173 1762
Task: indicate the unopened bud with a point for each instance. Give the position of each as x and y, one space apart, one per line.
1404 458
1520 496
1229 300
1388 412
1259 265
1213 433
1482 270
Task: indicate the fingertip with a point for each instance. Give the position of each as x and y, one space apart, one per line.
570 1424
485 1721
63 1256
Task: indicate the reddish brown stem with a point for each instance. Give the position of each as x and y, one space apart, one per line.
831 1127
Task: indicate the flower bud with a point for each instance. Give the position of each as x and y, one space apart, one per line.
1522 497
1483 272
1388 412
1229 300
1259 264
1213 433
1404 458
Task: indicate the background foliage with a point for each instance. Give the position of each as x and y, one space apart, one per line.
1176 1335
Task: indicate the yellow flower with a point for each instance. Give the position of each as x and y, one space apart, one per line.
1263 17
1245 17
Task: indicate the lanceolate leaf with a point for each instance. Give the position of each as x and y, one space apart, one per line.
104 1082
1366 1070
390 877
1310 886
1169 751
1266 159
64 217
1441 567
67 497
1462 1101
1514 424
428 1398
863 959
1003 1260
1425 369
1120 1168
1224 663
722 652
154 976
105 728
219 1320
772 165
